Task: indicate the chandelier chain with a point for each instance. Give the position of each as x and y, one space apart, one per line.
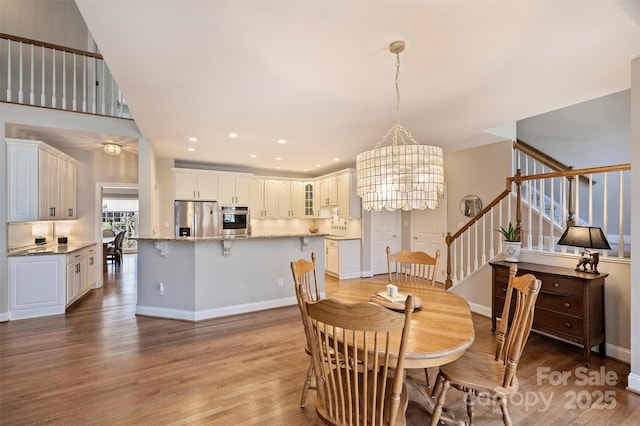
399 132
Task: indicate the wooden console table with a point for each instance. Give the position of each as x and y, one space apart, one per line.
570 304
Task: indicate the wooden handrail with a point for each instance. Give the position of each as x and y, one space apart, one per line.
51 46
517 180
578 172
543 158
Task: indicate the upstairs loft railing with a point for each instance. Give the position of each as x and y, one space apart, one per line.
478 242
52 76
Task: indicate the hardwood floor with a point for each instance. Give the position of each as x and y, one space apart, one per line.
100 364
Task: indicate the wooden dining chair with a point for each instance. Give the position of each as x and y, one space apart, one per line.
493 376
304 274
114 252
355 386
412 267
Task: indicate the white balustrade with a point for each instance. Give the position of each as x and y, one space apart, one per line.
63 78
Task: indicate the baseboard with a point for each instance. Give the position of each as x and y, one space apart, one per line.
185 315
4 317
633 382
613 351
480 310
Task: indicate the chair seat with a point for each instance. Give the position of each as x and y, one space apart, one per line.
478 371
404 401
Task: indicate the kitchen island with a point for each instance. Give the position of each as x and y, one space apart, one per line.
200 278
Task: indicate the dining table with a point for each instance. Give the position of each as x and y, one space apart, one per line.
441 329
105 243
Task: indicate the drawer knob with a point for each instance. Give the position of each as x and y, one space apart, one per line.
567 324
504 290
556 285
567 304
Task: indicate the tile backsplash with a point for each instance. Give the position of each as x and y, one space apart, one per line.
334 226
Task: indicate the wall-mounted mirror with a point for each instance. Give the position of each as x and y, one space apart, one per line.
470 205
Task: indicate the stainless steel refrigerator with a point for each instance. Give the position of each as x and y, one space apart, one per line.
196 218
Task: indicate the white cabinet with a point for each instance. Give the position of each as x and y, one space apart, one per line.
348 200
81 273
291 198
74 276
195 185
342 258
233 189
328 191
36 286
264 198
22 181
41 182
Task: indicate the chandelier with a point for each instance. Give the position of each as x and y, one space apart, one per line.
112 148
404 175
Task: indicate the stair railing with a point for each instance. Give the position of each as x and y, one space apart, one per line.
53 76
475 244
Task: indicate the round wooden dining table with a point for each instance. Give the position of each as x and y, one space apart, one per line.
440 331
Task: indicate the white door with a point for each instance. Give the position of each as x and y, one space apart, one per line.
428 233
385 231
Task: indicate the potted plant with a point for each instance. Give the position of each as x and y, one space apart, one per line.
511 242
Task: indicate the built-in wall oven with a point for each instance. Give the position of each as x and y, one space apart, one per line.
234 220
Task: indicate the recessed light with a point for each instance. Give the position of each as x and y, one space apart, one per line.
278 158
253 156
278 167
233 135
281 141
305 170
191 149
318 165
192 139
336 159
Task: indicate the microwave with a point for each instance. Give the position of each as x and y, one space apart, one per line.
234 220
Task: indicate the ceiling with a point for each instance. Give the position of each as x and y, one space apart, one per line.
319 74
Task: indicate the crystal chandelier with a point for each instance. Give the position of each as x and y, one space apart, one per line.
404 175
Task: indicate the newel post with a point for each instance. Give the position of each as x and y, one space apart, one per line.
571 214
448 283
517 179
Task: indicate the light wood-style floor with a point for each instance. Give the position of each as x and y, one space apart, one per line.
100 364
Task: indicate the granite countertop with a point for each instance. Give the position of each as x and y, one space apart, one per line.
51 248
341 237
227 237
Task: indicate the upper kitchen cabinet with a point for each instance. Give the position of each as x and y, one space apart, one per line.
291 198
264 198
328 191
196 184
348 200
234 189
41 182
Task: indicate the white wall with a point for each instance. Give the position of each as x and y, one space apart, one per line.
634 298
478 171
54 21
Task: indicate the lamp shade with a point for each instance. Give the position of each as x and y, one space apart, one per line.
588 237
63 228
39 229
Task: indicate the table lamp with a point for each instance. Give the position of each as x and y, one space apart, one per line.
40 231
587 237
62 230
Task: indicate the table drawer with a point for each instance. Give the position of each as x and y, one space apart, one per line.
551 302
559 285
557 323
562 304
